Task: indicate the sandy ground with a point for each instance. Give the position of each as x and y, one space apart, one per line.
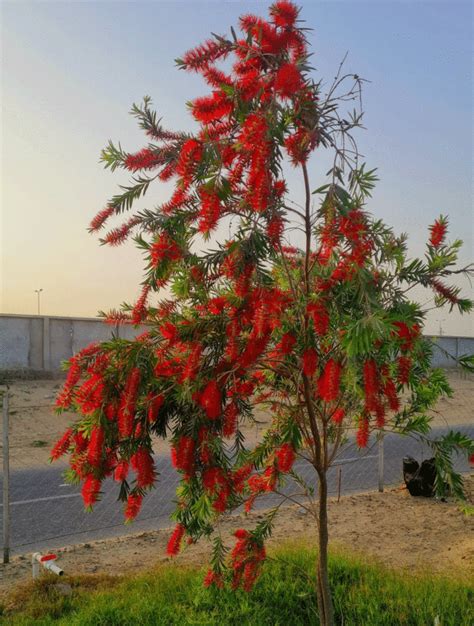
393 528
34 427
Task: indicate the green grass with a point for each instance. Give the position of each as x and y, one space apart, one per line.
364 594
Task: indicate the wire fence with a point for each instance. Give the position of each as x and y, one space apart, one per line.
40 511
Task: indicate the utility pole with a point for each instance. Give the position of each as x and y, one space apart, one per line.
38 292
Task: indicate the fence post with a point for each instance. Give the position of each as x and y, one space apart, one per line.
380 436
6 481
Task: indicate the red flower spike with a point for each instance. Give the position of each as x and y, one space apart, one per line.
99 220
121 471
174 543
143 160
404 368
134 504
284 13
90 490
328 384
211 400
338 416
154 407
438 232
142 463
182 454
288 81
285 457
61 446
310 362
320 316
96 445
362 436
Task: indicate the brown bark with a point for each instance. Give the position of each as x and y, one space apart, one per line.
323 592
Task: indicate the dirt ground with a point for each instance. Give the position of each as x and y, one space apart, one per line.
393 528
34 427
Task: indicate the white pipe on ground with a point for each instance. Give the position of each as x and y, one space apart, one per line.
47 561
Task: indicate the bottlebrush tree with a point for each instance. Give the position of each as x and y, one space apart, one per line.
322 335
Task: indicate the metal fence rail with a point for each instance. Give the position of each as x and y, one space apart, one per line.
40 511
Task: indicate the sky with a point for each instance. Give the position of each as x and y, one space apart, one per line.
71 70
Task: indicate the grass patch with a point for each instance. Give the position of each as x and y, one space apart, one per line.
364 594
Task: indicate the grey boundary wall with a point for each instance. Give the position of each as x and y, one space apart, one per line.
38 344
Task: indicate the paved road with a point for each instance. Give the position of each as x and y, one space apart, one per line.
46 513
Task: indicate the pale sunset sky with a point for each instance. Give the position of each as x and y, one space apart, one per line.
71 70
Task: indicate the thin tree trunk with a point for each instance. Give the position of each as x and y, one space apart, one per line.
323 591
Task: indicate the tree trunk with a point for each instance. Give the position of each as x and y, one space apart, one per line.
323 591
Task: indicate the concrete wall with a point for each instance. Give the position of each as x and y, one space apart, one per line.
35 342
40 343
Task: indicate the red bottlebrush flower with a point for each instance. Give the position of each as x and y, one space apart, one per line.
209 109
90 395
448 293
80 442
213 479
142 463
211 400
169 332
279 187
121 471
213 578
406 334
328 384
96 445
192 365
61 446
362 436
200 57
140 311
188 160
216 305
143 160
246 560
298 146
390 392
64 399
179 199
216 78
404 368
99 220
284 13
253 350
174 543
320 317
380 414
285 457
90 490
119 235
371 384
164 249
338 416
134 504
310 362
126 411
240 476
288 80
210 212
287 343
153 408
182 454
230 420
438 232
275 229
249 83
